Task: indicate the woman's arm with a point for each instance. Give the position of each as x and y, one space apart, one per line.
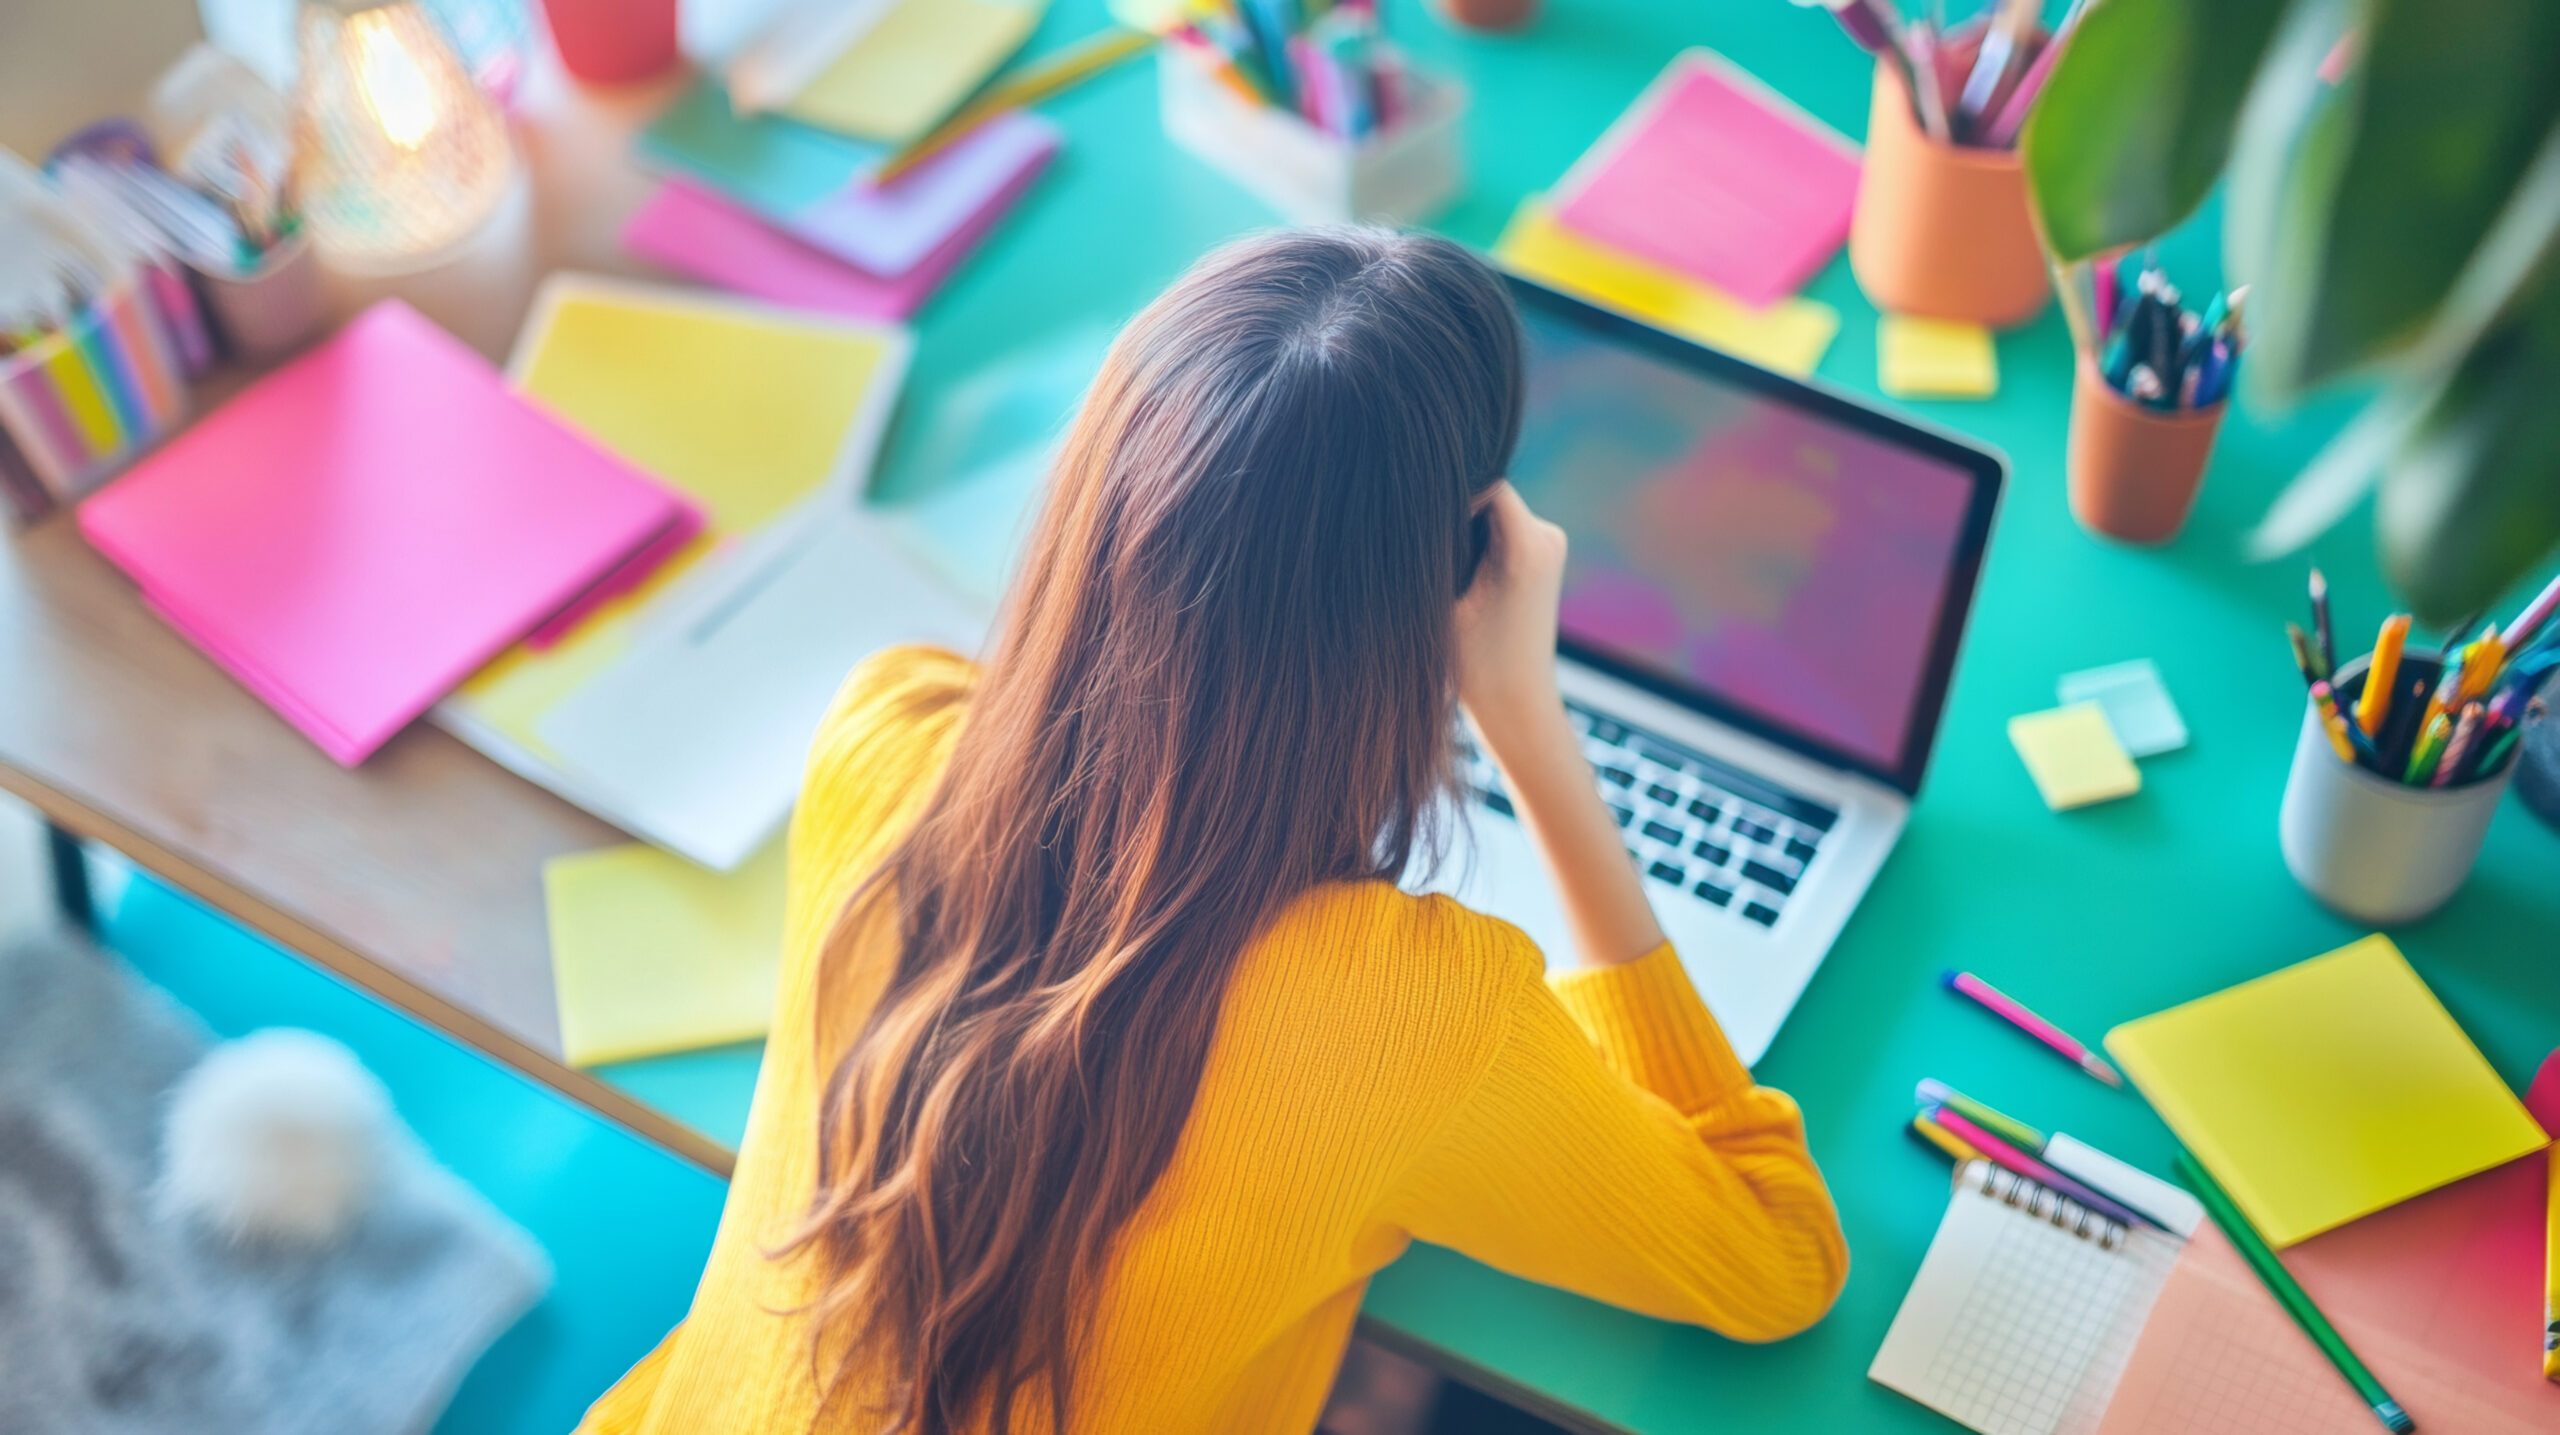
1507 678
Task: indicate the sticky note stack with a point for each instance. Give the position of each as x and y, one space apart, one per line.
652 954
2082 752
1701 211
782 212
1935 359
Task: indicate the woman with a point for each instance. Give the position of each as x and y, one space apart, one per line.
1110 1062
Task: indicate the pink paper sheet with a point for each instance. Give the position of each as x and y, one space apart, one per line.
695 232
2441 1296
362 529
1715 175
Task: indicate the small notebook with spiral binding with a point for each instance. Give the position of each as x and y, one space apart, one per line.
2025 1310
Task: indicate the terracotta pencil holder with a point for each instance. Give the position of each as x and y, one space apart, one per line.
1941 230
1488 14
2134 471
2373 850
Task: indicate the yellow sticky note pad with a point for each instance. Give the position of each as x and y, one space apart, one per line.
2073 755
651 954
1789 336
2326 1091
1935 359
912 68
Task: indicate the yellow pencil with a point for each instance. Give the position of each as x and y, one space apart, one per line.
2480 664
2373 705
1933 1134
1070 66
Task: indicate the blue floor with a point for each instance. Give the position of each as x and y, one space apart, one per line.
627 1225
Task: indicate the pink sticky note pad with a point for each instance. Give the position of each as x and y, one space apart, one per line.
695 232
362 529
1715 175
886 230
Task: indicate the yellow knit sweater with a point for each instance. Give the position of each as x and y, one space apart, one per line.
1387 1068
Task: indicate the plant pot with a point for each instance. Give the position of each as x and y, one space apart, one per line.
1488 14
613 42
1941 230
2373 850
2134 471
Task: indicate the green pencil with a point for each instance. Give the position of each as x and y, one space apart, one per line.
2290 1295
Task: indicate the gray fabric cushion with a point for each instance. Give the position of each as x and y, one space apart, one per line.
115 1322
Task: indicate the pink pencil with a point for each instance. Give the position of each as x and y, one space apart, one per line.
1966 984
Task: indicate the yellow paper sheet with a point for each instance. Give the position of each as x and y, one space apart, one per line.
1935 359
2325 1091
748 413
651 954
2073 755
907 73
1789 336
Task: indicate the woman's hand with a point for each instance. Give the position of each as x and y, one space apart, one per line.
1507 619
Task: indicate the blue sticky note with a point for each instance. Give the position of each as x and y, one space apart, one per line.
776 166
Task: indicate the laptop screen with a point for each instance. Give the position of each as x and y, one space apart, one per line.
1780 551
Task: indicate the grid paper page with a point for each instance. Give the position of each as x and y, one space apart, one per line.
2017 1326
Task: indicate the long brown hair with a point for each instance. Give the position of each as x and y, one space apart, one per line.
1223 678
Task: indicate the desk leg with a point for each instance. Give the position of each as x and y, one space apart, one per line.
71 879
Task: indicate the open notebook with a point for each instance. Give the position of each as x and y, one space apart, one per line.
2026 1308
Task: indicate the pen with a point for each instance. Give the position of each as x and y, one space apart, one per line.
2001 1153
2290 1294
2328 649
1973 988
1932 1092
2374 703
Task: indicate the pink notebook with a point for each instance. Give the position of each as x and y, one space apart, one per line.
362 529
1716 175
695 232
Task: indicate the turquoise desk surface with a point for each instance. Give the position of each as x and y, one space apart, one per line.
2091 917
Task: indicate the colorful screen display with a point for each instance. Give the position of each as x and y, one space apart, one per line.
1790 566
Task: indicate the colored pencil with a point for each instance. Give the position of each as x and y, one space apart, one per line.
2327 651
1939 1139
2303 657
2001 1153
1966 984
1932 1092
2290 1294
2333 723
2535 614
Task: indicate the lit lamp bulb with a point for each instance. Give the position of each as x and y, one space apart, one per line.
398 156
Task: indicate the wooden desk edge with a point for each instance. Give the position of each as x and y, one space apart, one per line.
343 961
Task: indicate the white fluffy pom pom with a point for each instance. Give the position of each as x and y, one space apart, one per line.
277 1137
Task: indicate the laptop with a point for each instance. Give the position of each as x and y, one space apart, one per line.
1767 586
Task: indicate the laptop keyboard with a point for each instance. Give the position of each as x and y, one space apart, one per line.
1723 836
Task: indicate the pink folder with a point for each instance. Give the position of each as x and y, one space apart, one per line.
695 232
362 529
1716 175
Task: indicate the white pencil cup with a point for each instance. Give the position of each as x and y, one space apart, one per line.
2379 852
1402 175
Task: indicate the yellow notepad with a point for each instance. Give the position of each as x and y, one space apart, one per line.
1935 359
2325 1091
1788 336
2074 756
909 71
651 954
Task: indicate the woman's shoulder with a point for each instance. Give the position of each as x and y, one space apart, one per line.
1373 951
899 703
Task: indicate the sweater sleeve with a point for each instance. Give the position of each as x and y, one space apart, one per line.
1617 1148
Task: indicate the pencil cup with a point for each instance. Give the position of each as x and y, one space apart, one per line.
2134 471
2379 852
1488 14
273 309
1402 175
1941 230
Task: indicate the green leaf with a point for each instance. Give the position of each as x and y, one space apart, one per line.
2264 176
2136 119
2395 185
2472 503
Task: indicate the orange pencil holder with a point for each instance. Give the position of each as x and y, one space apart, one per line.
2134 471
1941 230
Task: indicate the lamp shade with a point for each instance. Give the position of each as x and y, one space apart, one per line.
397 154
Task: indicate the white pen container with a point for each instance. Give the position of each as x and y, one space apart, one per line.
2377 851
1401 175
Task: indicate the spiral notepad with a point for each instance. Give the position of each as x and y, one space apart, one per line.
2025 1310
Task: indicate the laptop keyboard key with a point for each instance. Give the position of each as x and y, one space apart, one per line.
1664 871
1498 803
1744 827
1800 849
1625 814
1660 833
1721 896
1713 853
1769 877
1618 776
1705 811
1663 795
1762 913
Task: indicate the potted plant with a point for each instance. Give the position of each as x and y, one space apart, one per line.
2393 174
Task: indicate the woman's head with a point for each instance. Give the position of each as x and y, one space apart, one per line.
1224 677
